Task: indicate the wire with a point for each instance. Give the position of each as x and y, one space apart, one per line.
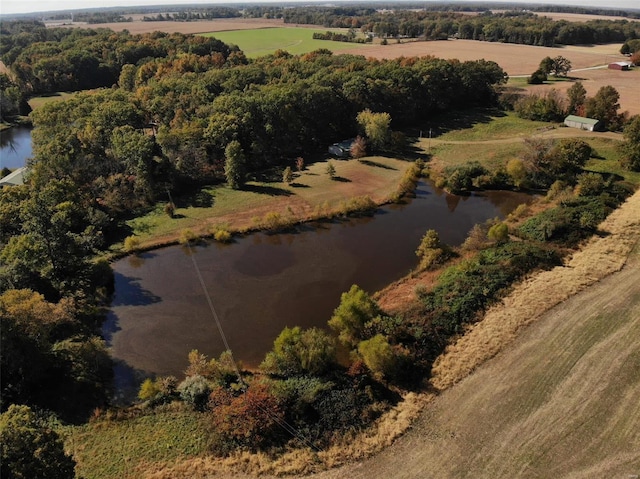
280 422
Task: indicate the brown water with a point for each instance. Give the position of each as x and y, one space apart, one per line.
262 283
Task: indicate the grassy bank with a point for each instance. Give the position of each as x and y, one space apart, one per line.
312 194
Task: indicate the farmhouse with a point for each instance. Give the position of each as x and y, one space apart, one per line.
583 123
14 178
620 66
342 149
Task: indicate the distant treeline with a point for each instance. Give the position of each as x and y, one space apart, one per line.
194 14
511 27
349 37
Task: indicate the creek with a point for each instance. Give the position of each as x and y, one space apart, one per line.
263 282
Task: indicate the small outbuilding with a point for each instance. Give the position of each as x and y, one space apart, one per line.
624 66
589 124
15 178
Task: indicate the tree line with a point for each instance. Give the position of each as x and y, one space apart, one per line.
511 27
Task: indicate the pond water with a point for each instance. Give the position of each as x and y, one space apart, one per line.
262 283
15 147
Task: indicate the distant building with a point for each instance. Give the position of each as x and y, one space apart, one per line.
583 123
14 178
620 66
342 149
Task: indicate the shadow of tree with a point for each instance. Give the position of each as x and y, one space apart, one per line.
299 185
267 190
341 179
376 164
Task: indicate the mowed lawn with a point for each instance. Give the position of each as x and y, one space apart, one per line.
264 41
312 194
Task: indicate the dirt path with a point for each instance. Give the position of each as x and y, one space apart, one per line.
555 133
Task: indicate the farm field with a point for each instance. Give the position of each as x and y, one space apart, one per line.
261 42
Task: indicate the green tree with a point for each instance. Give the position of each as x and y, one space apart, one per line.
577 96
431 250
235 165
351 316
630 147
296 351
604 107
375 126
537 78
517 171
498 233
31 450
546 65
127 79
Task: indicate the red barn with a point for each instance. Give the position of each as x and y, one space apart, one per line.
620 66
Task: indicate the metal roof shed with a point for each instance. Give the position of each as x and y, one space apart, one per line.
583 123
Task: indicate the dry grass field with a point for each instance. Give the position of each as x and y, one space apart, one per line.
220 25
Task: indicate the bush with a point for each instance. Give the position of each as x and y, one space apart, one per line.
131 243
194 390
589 184
466 289
187 236
431 250
378 355
222 236
296 351
349 318
170 209
460 178
498 233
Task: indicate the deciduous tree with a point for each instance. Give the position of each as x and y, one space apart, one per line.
235 165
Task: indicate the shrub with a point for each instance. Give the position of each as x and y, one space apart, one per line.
431 250
187 236
378 355
356 308
589 184
296 351
359 147
331 170
170 209
299 163
222 236
498 233
251 420
148 390
518 172
287 175
358 205
460 178
131 243
194 390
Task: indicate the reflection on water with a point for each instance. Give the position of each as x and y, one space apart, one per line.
262 283
15 147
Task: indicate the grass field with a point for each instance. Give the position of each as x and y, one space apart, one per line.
259 42
37 101
311 194
120 449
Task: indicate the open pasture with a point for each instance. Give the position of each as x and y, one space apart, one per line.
259 42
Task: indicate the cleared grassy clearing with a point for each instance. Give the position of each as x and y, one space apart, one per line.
492 156
121 449
37 101
259 42
312 194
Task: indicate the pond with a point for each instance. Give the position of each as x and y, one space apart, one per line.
262 283
15 147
